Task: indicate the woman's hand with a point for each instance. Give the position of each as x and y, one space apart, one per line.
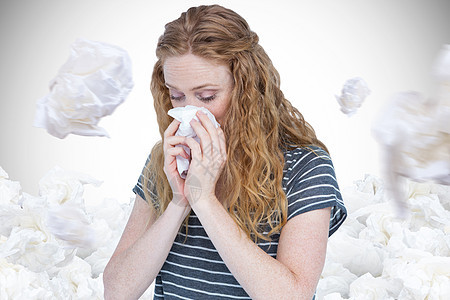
170 162
208 160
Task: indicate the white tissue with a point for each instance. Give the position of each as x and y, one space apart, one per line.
71 224
52 246
94 80
410 129
185 115
61 186
372 256
375 255
414 134
352 96
441 68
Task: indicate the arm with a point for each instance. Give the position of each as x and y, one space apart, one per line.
300 257
138 258
146 240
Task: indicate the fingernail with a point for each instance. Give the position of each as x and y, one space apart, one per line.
200 112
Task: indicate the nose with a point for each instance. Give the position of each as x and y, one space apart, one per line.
192 100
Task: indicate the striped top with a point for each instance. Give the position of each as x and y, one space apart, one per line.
194 268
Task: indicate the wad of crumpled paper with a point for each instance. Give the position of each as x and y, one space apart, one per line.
94 80
414 133
353 94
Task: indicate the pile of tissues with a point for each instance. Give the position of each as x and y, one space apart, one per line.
53 245
56 246
375 255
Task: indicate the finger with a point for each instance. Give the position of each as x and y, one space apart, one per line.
172 128
170 161
169 132
212 131
203 135
175 151
196 151
174 140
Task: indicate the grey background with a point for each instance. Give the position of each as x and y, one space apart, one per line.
315 45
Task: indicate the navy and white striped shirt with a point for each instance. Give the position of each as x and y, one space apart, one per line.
194 268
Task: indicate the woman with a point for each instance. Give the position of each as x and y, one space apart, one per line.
252 217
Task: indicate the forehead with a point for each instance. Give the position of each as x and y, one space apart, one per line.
191 69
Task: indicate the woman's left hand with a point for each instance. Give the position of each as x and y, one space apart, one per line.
208 160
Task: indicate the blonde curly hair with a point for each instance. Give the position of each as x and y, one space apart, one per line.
259 124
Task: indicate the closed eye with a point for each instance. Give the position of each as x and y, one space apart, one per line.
176 98
207 99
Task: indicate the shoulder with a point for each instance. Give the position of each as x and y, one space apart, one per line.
310 183
306 162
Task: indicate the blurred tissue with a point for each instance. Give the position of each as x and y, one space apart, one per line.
71 224
66 217
414 133
185 115
94 80
353 93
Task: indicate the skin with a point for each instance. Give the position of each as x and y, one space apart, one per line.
195 81
137 260
192 80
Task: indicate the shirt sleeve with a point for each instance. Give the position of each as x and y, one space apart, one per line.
151 188
311 184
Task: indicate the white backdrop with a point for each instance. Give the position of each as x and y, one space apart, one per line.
315 45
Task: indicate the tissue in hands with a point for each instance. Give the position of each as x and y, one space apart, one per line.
94 80
185 115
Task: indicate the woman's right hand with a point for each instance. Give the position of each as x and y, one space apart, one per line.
170 162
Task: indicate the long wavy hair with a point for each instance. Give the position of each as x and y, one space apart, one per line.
259 124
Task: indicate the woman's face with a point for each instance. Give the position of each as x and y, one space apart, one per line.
193 80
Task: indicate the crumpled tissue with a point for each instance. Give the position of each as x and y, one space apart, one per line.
61 186
39 262
414 134
353 94
185 115
375 255
71 224
372 256
94 80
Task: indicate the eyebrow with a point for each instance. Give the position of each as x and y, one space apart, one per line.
195 88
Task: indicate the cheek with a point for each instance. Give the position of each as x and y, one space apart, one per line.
219 112
177 104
